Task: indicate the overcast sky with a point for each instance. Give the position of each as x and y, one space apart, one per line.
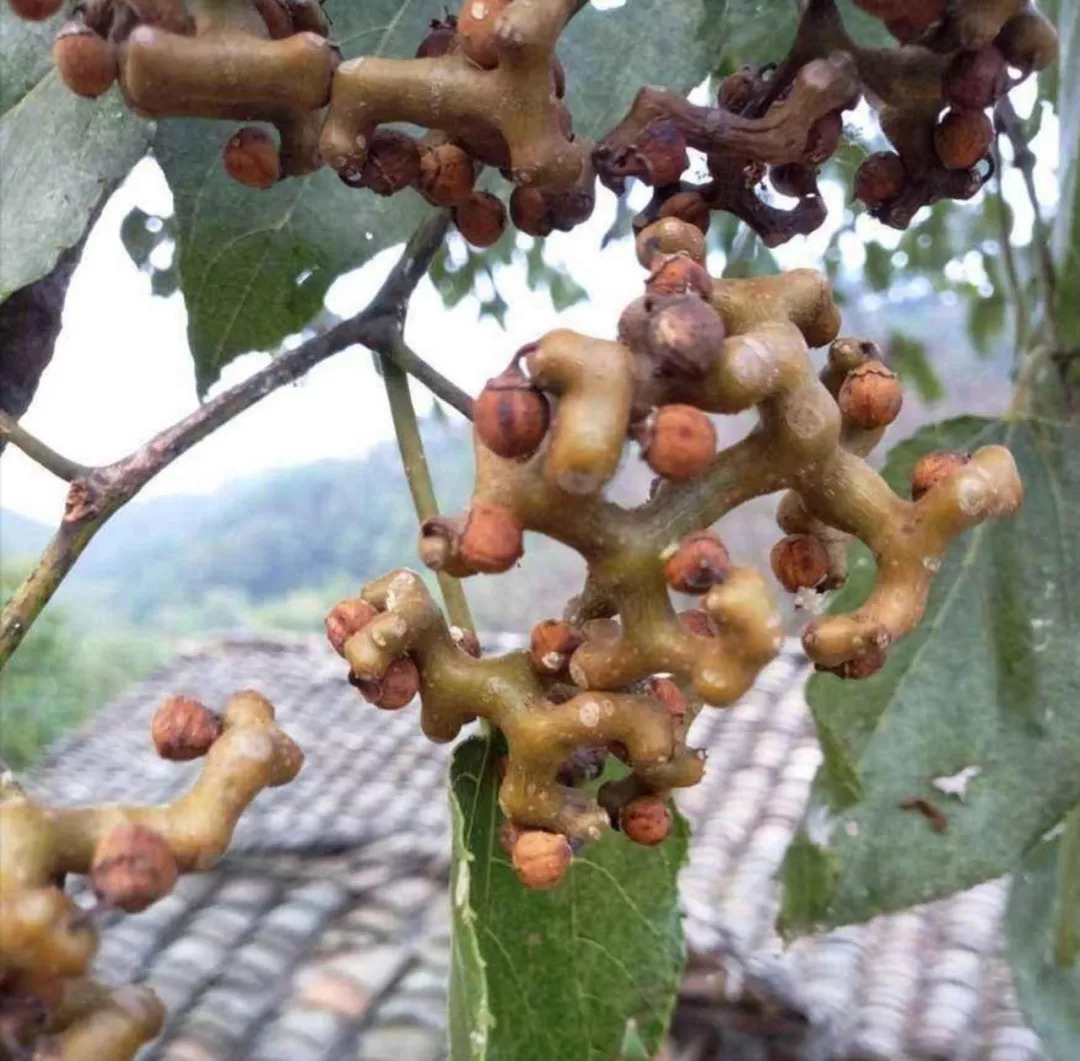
122 371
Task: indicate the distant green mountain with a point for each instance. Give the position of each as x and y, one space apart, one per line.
21 538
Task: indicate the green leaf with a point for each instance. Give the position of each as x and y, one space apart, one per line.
59 154
254 266
1048 988
1066 234
908 357
549 976
987 681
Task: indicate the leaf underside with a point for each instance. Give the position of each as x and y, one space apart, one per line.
989 680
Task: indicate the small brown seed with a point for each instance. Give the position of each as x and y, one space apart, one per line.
492 541
541 859
962 138
931 468
680 442
552 643
646 820
252 159
346 618
678 274
132 867
975 79
481 219
870 396
685 337
446 175
880 179
799 561
824 137
690 207
476 30
530 211
662 149
184 729
440 38
86 63
701 561
668 693
670 235
511 416
395 689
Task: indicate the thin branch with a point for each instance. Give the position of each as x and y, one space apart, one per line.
1008 122
36 450
418 475
98 493
406 359
1008 256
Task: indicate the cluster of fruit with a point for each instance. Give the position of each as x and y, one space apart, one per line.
489 89
133 856
625 671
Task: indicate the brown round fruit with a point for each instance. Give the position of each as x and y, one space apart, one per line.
698 622
880 179
824 137
931 468
481 219
346 618
441 33
392 162
962 138
870 396
661 147
492 541
799 561
975 79
670 235
552 643
86 63
541 859
646 820
184 729
446 175
476 30
737 90
678 274
36 10
132 867
252 159
685 337
1028 41
862 666
700 561
687 206
511 416
395 689
669 694
530 211
680 442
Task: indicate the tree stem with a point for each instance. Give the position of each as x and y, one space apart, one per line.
97 493
414 462
36 450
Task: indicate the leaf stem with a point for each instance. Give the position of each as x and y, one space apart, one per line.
1067 919
36 450
414 461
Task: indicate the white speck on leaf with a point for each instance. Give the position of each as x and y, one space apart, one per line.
957 784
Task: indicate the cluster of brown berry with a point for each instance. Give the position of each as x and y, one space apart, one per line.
133 857
625 671
958 59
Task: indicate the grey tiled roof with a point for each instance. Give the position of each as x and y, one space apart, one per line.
323 934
